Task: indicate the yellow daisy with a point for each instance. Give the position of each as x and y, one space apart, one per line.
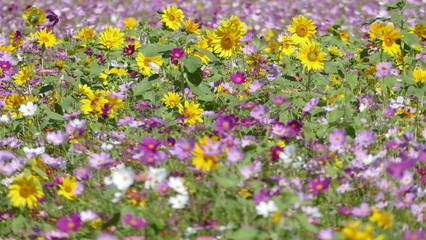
148 65
171 99
226 42
130 23
376 29
34 16
311 56
202 159
419 30
24 191
111 38
23 76
85 33
191 111
302 29
191 26
69 184
419 75
286 44
389 35
45 38
172 17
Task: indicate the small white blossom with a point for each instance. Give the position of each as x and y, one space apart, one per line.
266 208
121 177
179 201
177 184
288 154
155 176
28 109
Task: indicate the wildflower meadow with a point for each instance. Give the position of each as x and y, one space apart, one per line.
209 120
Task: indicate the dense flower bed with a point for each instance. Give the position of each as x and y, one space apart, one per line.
182 125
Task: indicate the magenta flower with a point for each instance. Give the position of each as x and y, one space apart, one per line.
134 222
278 100
72 224
129 50
238 78
318 184
5 65
177 53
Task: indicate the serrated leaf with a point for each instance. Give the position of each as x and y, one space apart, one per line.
18 223
152 50
192 63
304 222
334 116
50 114
141 87
245 233
45 89
351 79
411 39
202 91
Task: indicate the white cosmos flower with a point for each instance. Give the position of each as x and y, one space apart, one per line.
121 177
28 109
155 176
288 154
179 201
177 184
265 208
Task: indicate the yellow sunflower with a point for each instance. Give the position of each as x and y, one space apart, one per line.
111 38
191 26
311 56
148 65
85 33
172 17
24 191
130 23
419 30
45 38
34 16
191 111
23 76
302 29
69 184
202 159
171 99
389 35
419 75
226 42
286 44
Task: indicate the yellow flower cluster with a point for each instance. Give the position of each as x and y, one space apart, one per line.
99 103
388 34
111 38
226 37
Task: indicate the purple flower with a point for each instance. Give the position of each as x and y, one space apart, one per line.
129 50
310 105
83 173
225 122
263 195
235 154
326 234
97 160
418 234
260 113
53 18
278 100
249 49
53 235
183 148
365 138
384 69
337 137
71 224
5 65
134 222
318 184
238 78
177 53
53 162
361 211
149 145
55 138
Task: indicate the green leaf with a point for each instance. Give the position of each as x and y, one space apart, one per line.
202 91
304 221
245 233
351 79
206 52
114 220
45 89
192 63
18 223
96 69
40 172
334 116
226 182
141 87
50 114
331 170
196 77
152 50
410 39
